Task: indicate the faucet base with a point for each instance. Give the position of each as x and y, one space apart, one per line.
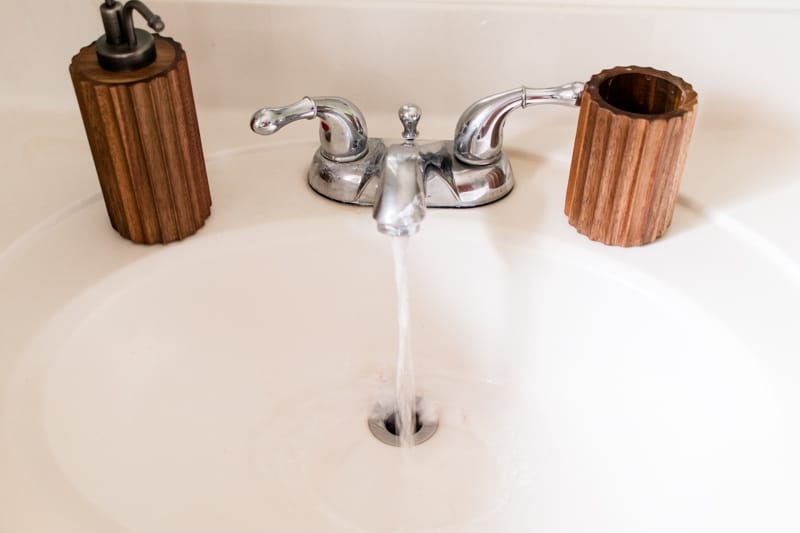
449 182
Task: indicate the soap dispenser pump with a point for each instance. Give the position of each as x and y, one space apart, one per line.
124 47
135 96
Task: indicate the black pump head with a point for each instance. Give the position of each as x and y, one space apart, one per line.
124 47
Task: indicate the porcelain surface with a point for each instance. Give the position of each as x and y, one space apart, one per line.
226 380
223 383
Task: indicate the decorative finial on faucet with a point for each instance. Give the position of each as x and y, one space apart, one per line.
409 115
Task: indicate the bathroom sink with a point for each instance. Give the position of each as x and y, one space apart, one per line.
223 383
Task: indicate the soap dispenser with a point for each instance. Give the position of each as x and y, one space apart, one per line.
135 97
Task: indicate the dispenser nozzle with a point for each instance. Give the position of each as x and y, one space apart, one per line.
123 47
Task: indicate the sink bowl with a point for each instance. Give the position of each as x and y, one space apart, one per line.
224 383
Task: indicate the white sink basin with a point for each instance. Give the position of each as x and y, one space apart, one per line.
223 383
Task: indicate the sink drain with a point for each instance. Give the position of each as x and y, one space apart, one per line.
384 428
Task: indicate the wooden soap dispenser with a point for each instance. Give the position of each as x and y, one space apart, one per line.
135 97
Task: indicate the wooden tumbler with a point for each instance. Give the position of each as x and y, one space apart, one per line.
633 132
145 141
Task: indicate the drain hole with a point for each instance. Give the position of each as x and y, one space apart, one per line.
390 423
384 428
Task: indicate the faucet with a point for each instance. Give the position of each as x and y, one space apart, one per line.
402 179
400 199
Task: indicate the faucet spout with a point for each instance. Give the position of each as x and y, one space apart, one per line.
400 201
400 204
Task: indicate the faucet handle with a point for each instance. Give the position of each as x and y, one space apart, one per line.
269 120
479 132
409 115
342 132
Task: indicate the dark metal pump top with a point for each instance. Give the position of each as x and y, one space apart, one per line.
123 47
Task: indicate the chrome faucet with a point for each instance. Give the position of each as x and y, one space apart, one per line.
402 179
400 205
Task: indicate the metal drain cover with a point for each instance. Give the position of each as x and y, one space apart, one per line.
378 427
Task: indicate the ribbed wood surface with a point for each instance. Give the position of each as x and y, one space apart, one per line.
144 137
630 148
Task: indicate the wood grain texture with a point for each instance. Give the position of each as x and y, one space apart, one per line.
144 137
633 133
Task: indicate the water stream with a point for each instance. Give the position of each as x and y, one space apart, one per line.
405 389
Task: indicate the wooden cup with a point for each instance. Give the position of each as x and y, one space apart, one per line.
633 132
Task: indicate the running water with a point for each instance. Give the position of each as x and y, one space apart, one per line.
405 390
